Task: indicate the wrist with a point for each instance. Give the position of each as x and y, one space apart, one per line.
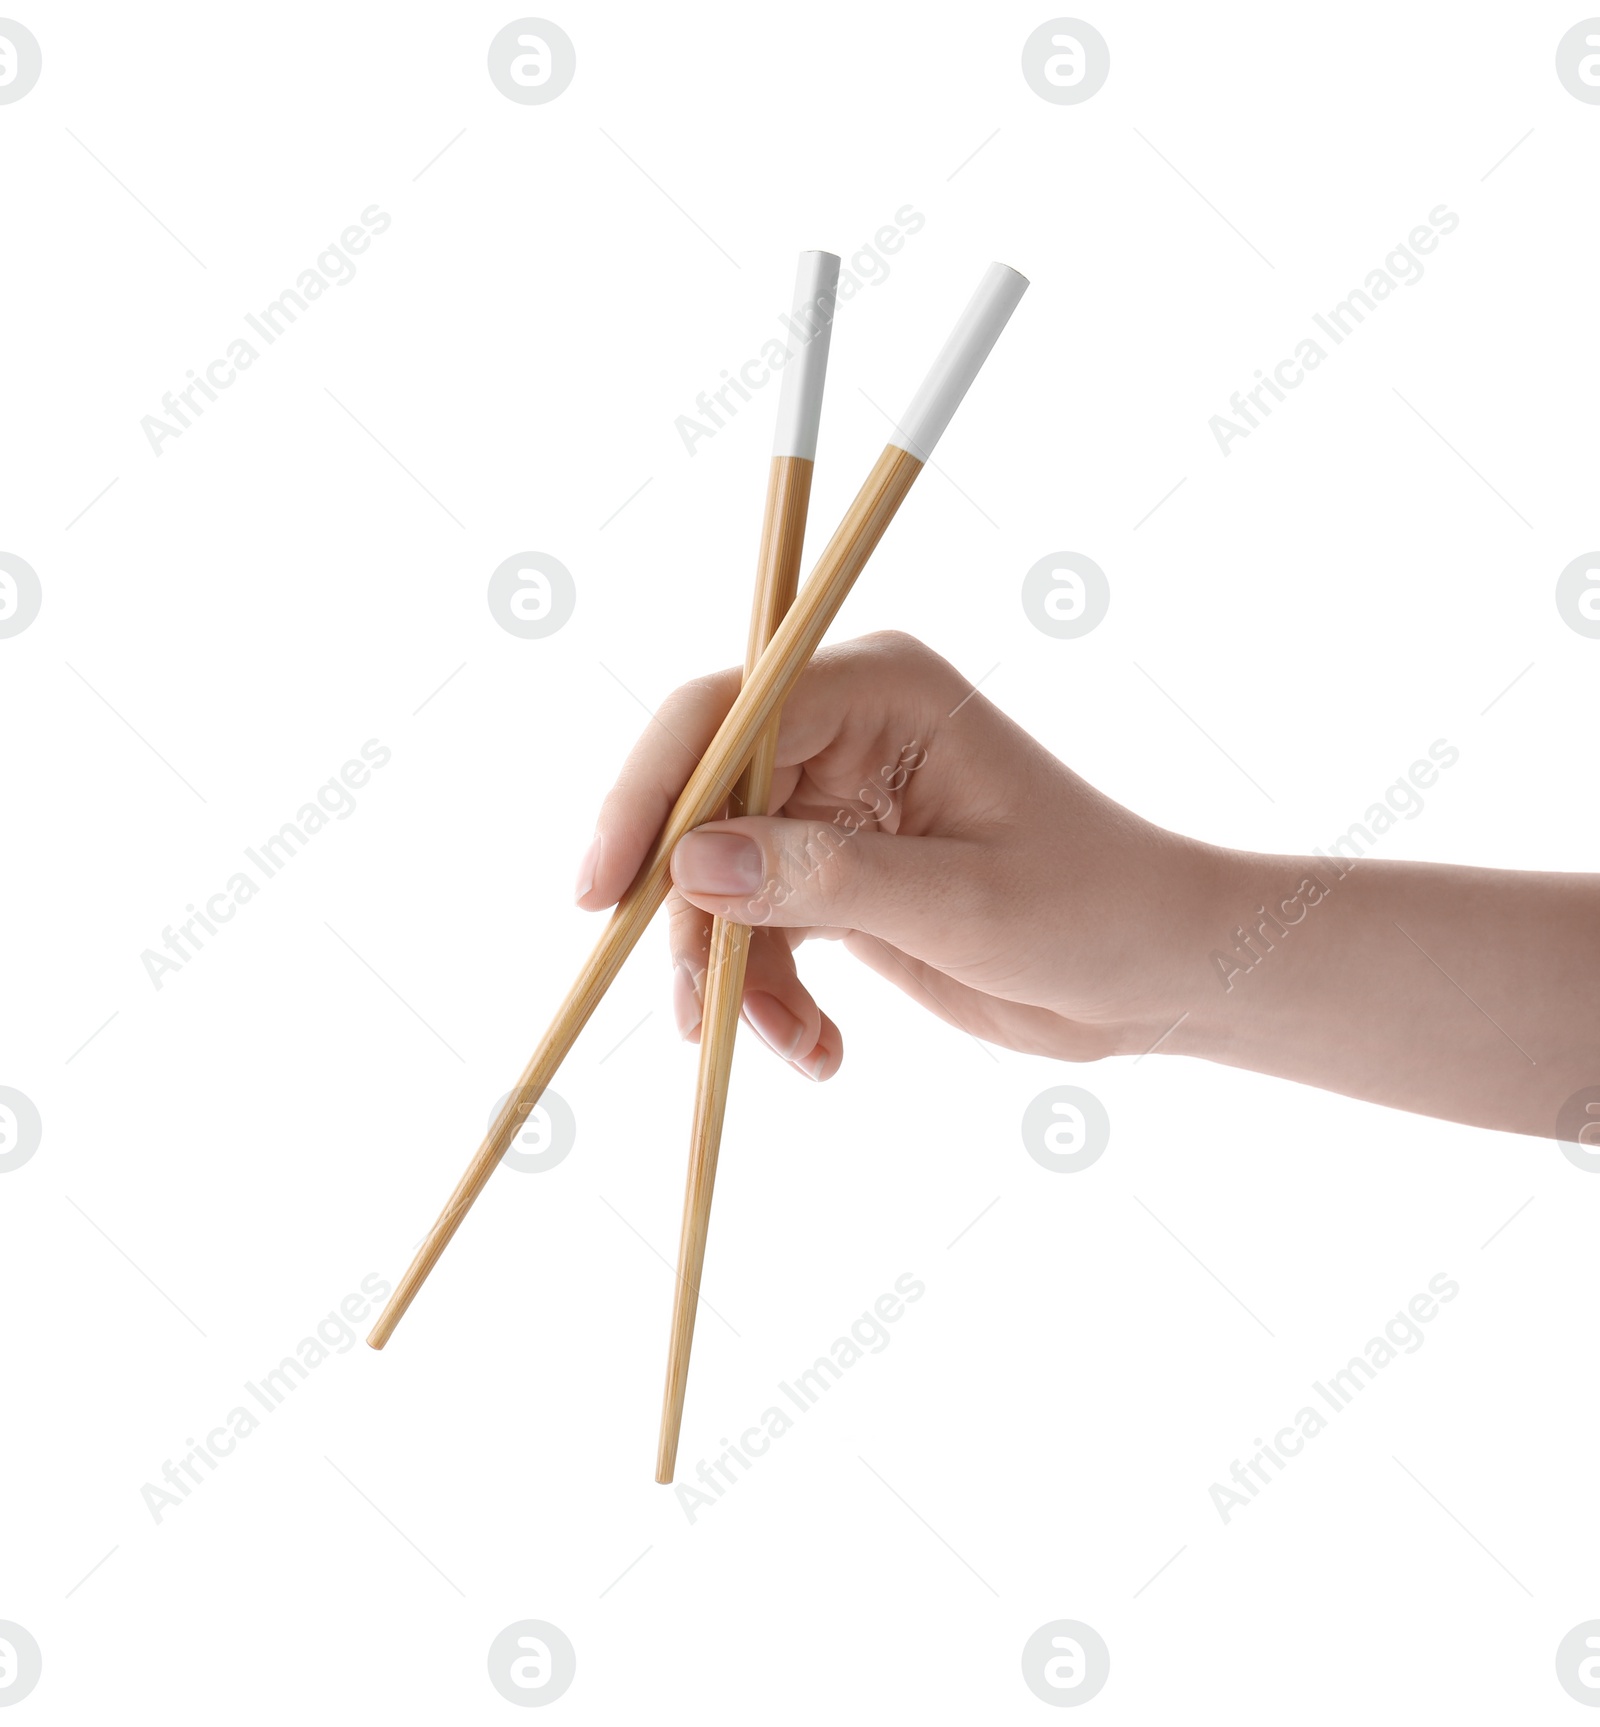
1182 901
1254 907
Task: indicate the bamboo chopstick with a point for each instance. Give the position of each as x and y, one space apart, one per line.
771 679
777 576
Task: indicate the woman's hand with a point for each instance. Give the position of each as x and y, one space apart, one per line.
941 843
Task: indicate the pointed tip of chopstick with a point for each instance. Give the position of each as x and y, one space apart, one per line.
667 1443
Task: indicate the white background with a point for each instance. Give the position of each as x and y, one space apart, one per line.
274 1123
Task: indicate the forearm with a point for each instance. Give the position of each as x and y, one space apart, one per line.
1472 994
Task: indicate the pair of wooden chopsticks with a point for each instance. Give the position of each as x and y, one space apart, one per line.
783 637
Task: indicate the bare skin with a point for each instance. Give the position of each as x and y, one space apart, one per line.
1004 893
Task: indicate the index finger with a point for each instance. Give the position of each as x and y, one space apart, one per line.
656 771
848 695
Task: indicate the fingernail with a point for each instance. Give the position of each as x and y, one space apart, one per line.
773 1023
586 869
717 864
811 1067
685 1001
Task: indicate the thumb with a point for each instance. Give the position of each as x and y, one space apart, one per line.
772 870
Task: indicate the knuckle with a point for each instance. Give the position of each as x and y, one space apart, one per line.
898 645
701 693
897 651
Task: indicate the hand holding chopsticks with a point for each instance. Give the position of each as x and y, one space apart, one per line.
769 681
